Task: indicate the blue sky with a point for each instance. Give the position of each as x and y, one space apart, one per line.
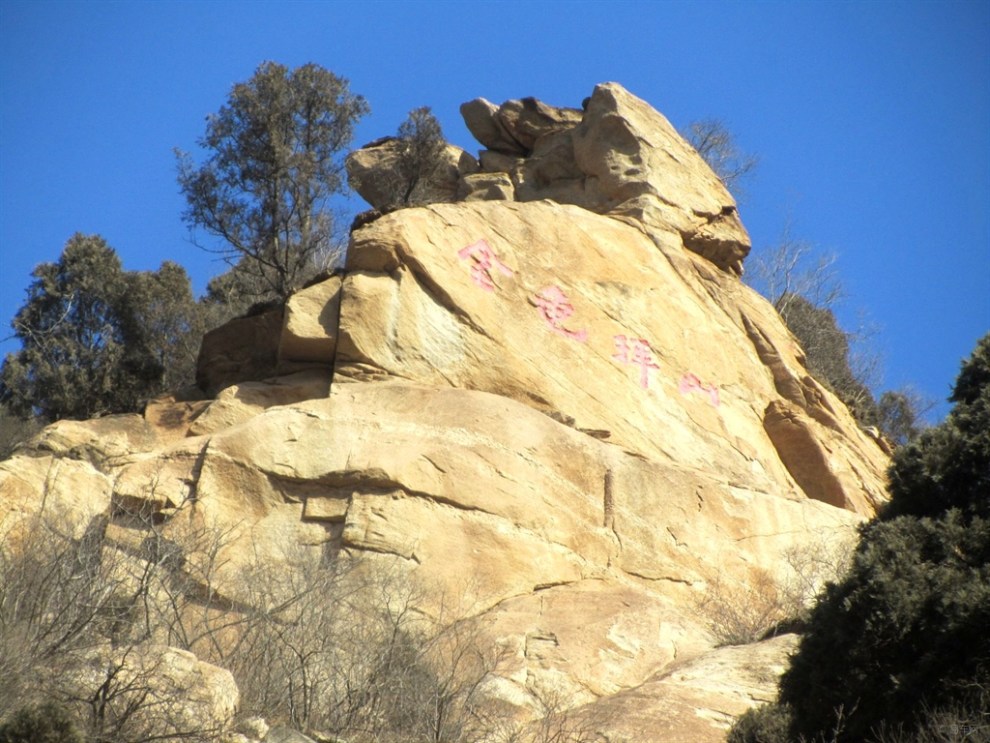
871 121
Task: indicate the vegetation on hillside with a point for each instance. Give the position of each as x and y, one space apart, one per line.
96 339
333 647
899 649
896 647
418 151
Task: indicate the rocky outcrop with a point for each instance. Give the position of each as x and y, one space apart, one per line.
243 349
617 156
515 127
581 316
378 174
561 408
148 683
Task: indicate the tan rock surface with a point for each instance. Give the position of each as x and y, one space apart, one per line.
70 491
694 701
486 187
309 330
574 313
618 156
160 682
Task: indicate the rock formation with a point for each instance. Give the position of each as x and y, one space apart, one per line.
549 397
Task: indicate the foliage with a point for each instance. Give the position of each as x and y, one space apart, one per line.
768 723
898 414
947 466
828 355
717 146
14 430
955 723
421 147
46 723
274 164
806 290
97 339
410 163
903 638
739 614
907 628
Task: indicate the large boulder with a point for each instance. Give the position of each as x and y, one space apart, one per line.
516 126
376 172
560 413
309 327
244 349
615 156
618 157
158 692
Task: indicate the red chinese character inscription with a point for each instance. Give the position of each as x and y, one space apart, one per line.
555 308
483 260
691 383
636 351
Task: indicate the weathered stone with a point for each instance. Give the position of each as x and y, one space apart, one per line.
154 484
171 416
498 162
803 453
374 171
599 324
697 700
528 120
253 727
242 350
618 157
486 187
68 491
165 687
105 442
309 329
480 117
282 734
241 402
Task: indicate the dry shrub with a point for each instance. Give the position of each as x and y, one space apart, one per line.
741 613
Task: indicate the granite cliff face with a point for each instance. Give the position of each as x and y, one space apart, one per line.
548 395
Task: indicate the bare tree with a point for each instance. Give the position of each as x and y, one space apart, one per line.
72 632
792 268
806 290
717 146
332 646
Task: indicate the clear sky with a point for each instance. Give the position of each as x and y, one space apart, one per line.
871 121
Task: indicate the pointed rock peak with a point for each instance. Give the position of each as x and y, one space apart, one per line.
616 156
